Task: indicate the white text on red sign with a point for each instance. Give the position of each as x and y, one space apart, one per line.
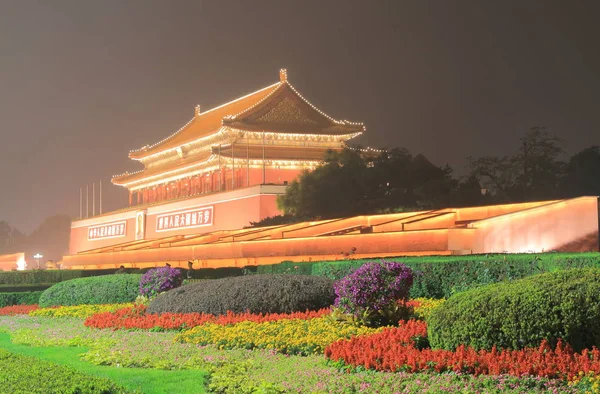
109 230
185 219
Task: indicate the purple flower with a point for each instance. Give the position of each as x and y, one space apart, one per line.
374 287
158 280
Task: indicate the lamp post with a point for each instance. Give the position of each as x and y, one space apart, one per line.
37 257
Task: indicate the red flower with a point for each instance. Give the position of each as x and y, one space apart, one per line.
393 349
18 310
136 318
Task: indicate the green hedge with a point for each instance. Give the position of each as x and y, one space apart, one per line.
442 276
21 288
521 313
38 276
107 289
21 298
26 374
49 277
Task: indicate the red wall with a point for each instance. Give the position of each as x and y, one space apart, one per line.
231 210
517 228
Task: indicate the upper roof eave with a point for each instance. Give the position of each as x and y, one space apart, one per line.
203 123
235 114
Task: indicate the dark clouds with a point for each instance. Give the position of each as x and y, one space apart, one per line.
83 82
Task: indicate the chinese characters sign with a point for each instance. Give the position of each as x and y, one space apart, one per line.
108 230
187 219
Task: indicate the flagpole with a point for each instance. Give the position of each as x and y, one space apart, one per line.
94 199
100 197
87 201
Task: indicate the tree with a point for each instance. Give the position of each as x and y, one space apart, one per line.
5 230
497 175
51 238
469 193
540 165
533 173
352 182
334 189
582 174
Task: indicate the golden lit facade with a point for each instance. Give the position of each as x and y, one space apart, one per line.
267 137
533 227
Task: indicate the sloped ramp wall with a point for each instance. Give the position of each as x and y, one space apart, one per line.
545 228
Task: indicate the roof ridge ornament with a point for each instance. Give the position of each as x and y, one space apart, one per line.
197 110
283 75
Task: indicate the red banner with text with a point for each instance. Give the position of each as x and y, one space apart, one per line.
107 230
198 217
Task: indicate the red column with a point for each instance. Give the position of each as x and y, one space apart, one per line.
130 197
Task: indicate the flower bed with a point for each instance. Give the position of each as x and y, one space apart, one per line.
258 368
286 336
394 349
79 311
135 317
17 310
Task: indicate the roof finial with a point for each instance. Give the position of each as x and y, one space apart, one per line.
283 75
197 110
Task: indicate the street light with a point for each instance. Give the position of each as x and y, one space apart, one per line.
37 257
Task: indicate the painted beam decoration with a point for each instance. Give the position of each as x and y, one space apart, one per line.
107 230
197 217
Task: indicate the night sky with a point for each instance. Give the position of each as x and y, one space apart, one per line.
84 82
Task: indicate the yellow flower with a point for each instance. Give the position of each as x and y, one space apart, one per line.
291 336
80 311
426 306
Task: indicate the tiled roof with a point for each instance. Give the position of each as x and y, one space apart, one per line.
204 123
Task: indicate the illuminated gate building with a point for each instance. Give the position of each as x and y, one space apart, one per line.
222 170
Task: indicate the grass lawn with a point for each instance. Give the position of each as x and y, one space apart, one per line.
150 381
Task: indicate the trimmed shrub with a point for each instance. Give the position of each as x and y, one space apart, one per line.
372 293
522 313
38 276
252 293
108 289
26 374
159 280
21 298
218 273
443 276
24 288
